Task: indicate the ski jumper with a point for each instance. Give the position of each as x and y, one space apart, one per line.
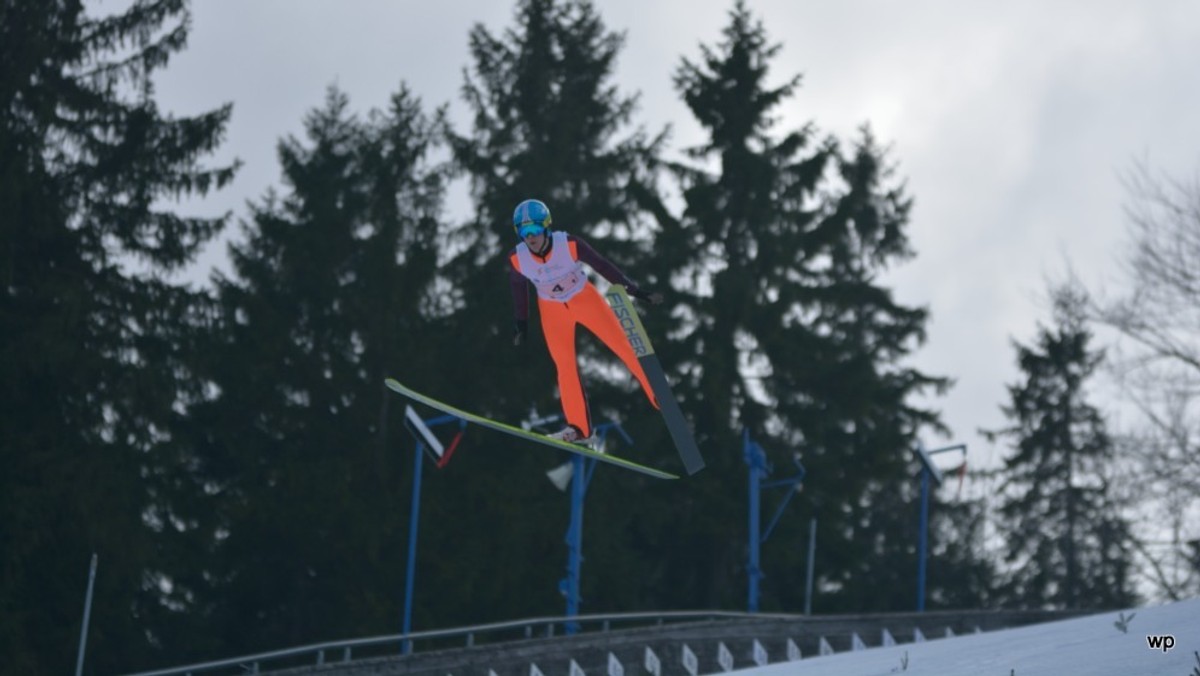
566 298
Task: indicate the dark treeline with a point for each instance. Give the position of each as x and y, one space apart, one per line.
232 455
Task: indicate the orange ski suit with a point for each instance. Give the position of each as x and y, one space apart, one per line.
559 318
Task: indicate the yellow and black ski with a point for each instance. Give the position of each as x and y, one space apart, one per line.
677 425
526 434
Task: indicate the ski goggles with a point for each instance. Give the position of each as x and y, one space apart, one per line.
528 229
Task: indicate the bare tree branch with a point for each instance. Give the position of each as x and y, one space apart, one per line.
1156 363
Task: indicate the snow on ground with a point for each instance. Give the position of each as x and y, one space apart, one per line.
1087 646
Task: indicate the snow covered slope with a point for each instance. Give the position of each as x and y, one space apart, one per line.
1088 646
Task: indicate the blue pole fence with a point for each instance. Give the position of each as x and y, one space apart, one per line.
582 469
923 539
760 468
414 523
931 477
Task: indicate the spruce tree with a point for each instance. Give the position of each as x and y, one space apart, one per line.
780 325
1067 545
959 573
331 291
92 332
548 123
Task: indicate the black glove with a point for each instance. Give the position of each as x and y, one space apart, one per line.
639 293
520 328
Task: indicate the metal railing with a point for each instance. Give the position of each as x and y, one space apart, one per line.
541 626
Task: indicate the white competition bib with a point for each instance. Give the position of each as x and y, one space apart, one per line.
560 277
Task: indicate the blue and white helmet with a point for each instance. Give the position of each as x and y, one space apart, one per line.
531 217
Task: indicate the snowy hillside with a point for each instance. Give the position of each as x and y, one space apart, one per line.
1089 646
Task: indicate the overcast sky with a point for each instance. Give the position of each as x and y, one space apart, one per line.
1011 122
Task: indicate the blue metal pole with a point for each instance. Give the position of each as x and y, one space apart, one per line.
812 555
929 475
755 461
581 476
414 521
575 541
922 541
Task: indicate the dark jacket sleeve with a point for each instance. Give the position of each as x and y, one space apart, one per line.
604 267
519 286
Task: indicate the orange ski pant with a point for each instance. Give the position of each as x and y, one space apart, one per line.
589 308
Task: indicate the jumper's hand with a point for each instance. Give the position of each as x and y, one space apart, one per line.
653 298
